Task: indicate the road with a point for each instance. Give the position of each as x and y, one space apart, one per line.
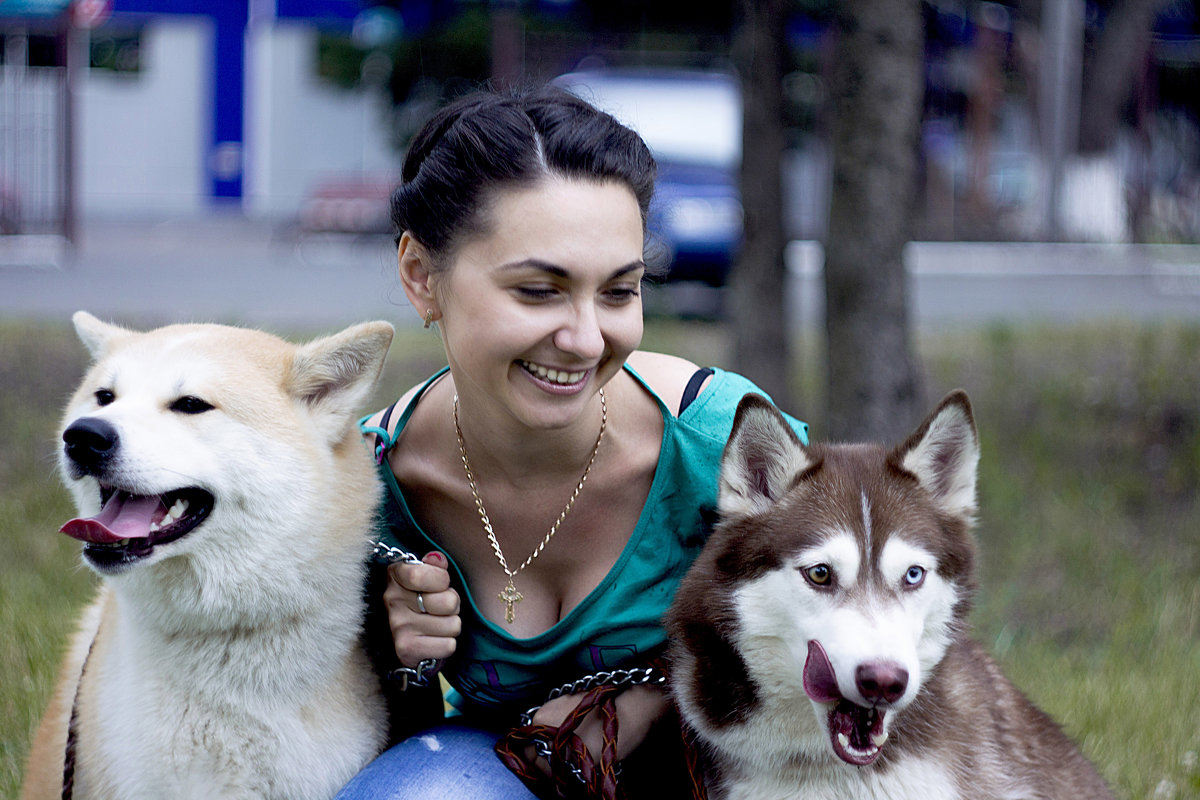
229 269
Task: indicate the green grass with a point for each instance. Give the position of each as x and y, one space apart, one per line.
1089 531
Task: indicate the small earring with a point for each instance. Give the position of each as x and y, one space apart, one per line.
428 317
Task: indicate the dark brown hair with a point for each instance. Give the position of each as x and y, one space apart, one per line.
488 141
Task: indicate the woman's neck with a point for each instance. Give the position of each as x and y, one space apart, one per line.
499 446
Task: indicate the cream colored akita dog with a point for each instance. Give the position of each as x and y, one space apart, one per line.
226 499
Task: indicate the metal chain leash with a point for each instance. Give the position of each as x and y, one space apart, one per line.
428 668
638 676
385 554
543 745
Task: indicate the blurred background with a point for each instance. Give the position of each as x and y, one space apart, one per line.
862 204
296 110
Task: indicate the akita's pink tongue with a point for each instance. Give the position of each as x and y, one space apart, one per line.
820 683
124 516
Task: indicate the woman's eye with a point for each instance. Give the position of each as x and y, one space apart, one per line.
536 292
914 577
819 574
623 294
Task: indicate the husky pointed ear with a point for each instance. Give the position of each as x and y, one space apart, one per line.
95 334
943 454
334 375
762 459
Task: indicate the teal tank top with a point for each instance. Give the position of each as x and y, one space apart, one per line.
618 625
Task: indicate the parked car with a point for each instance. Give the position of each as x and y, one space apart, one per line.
692 122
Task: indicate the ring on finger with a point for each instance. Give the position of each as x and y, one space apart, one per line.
421 603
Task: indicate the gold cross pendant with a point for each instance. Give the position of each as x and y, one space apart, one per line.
511 597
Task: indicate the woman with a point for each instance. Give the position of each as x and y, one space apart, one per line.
556 478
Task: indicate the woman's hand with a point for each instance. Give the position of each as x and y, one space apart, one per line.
422 609
637 709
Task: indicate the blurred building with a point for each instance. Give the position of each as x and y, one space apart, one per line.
183 105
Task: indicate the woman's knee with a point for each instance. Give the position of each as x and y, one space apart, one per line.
444 762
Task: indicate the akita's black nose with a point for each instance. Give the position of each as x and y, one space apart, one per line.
881 680
91 443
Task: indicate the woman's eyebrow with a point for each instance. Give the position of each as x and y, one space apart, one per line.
561 272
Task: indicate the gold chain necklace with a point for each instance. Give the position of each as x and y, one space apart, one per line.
510 596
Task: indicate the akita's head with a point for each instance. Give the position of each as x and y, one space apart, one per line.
837 578
212 441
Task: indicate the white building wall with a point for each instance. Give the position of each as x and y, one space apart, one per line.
300 129
142 137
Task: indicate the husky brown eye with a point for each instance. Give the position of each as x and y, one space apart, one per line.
191 405
819 574
104 396
914 577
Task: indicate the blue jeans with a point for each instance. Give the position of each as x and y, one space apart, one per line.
449 761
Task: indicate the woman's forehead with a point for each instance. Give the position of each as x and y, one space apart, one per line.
560 221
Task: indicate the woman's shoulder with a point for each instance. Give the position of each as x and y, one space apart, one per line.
373 423
666 375
712 400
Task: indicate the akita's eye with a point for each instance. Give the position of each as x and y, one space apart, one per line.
191 405
818 574
914 577
104 396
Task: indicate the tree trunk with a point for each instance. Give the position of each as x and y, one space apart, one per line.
1113 69
757 284
877 88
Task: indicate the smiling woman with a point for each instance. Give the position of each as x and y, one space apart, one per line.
554 476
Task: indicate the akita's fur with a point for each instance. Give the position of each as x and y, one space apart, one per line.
820 645
226 500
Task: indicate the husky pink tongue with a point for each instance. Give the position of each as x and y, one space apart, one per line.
124 516
820 682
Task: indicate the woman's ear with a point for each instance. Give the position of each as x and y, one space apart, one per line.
417 276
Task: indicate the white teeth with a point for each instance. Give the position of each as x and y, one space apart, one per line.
177 510
553 375
877 740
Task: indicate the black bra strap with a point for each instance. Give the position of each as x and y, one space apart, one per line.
384 421
693 387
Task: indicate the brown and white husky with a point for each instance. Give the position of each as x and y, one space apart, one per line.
820 646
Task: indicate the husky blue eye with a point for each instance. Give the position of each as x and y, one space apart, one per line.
914 577
191 405
818 574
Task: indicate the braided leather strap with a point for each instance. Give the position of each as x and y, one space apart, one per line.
574 773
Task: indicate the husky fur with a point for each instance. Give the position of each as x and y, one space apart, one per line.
819 644
221 658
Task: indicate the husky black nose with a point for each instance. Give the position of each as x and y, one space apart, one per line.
881 680
90 443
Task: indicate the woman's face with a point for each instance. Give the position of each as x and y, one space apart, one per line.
543 309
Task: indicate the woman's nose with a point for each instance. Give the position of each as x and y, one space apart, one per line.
581 334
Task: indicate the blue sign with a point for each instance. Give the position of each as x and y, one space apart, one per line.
33 8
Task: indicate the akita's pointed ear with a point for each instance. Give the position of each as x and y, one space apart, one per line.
762 459
95 334
943 454
335 374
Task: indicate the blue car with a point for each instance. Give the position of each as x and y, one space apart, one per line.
692 122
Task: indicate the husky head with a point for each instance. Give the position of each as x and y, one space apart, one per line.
214 446
830 591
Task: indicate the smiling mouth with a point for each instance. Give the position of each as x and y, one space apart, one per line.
129 526
558 376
